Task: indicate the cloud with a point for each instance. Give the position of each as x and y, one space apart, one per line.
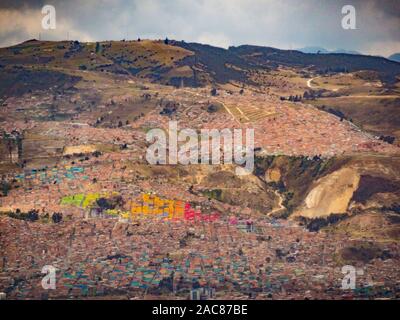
214 39
17 26
280 23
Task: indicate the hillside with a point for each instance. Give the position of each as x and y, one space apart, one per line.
192 64
77 190
336 83
340 194
339 62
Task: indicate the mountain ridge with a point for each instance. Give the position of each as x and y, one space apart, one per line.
193 64
321 50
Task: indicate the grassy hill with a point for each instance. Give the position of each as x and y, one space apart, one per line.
192 64
271 57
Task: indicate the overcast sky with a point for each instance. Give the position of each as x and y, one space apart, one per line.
278 23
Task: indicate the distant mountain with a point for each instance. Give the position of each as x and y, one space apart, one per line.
324 51
395 57
313 50
345 51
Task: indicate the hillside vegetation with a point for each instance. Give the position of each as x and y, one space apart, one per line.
193 64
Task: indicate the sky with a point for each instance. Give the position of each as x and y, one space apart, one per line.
285 24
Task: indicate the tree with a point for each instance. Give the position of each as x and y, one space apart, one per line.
33 215
10 148
166 41
388 139
214 92
57 217
5 188
104 204
213 108
98 47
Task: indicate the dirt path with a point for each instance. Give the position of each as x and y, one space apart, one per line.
280 205
309 82
241 112
228 110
